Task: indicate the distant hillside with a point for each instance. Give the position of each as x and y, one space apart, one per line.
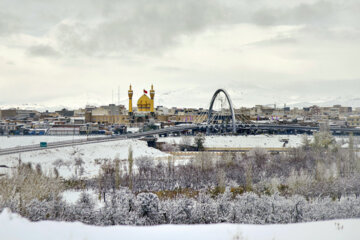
353 102
37 107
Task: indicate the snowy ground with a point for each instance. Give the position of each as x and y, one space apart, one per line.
93 155
270 141
265 141
17 141
328 230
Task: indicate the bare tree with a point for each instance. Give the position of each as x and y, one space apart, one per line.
199 141
130 163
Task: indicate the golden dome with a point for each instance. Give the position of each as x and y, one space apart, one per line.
144 104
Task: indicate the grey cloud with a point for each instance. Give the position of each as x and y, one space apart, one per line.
265 17
321 12
139 27
8 24
316 13
118 28
42 51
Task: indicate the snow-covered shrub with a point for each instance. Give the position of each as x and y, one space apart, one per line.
250 209
148 207
205 209
123 207
119 209
225 207
178 211
48 210
84 209
37 210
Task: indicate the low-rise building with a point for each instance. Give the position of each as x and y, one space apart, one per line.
8 114
18 114
79 112
353 121
64 130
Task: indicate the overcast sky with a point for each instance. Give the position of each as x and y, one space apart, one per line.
73 53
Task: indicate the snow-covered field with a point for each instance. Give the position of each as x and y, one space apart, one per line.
17 141
93 155
270 141
265 141
13 226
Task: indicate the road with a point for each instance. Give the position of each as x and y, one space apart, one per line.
69 143
175 129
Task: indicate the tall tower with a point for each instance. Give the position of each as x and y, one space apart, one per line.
130 93
152 95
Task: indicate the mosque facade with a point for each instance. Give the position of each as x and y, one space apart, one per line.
139 114
145 104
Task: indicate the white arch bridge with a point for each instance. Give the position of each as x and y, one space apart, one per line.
210 126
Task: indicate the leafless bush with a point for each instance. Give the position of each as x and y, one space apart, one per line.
204 160
144 164
79 169
26 184
58 163
260 156
167 147
185 141
300 182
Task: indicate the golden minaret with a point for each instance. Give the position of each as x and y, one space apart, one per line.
152 95
130 93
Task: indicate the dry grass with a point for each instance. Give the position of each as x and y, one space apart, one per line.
26 183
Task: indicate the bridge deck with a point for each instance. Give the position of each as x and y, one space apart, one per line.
175 129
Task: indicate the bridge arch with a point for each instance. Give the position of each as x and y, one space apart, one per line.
230 104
